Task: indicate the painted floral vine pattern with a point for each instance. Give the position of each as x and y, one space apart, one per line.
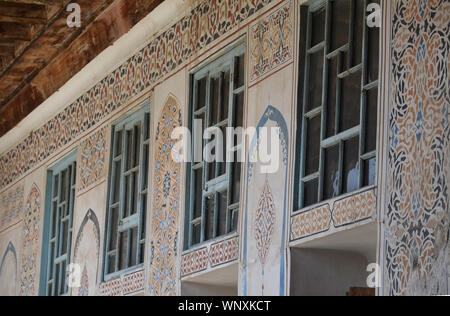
30 251
271 41
417 210
265 219
93 157
166 204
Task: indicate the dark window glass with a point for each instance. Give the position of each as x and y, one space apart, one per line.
315 81
318 27
371 120
311 192
351 165
340 17
331 177
313 145
350 102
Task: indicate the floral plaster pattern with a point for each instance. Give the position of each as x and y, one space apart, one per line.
31 247
93 155
417 210
272 41
334 214
166 204
209 257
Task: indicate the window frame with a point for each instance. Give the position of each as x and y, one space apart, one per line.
215 69
306 50
49 264
137 220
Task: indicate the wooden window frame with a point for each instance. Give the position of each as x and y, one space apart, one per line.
213 188
128 219
306 50
53 256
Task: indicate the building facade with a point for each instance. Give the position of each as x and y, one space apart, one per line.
93 201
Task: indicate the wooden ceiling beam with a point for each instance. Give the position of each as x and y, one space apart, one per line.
23 20
53 7
113 22
23 10
7 48
17 31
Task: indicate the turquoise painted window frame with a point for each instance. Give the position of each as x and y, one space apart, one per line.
127 206
220 184
304 115
59 211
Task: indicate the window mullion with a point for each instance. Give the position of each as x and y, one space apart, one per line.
338 95
341 166
323 127
50 259
71 207
205 165
228 163
140 189
125 148
192 180
112 190
351 33
56 243
362 137
304 101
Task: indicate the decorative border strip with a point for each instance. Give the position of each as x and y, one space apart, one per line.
194 262
224 252
272 41
354 209
311 222
211 256
125 285
205 24
345 211
133 283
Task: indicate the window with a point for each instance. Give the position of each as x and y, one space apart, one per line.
61 183
214 192
128 191
338 101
